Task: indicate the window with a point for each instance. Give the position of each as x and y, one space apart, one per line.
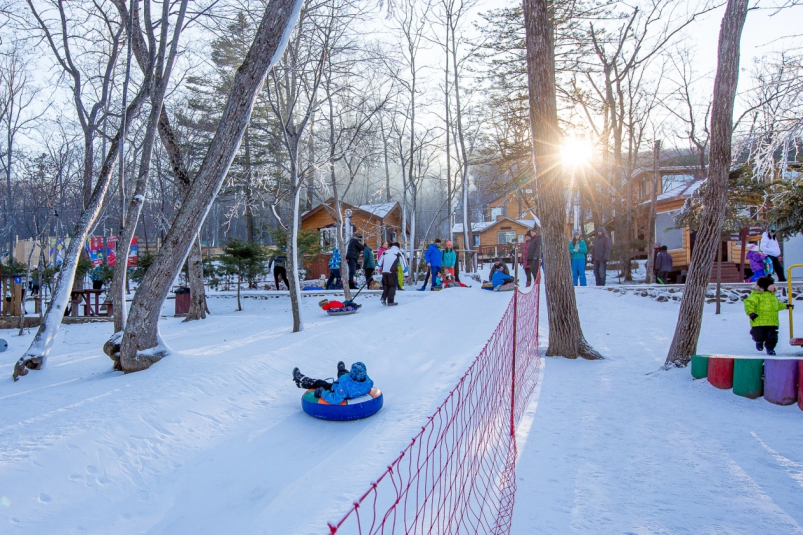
672 181
476 238
496 212
328 239
506 237
664 234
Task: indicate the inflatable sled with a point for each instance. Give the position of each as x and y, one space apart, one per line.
341 312
351 409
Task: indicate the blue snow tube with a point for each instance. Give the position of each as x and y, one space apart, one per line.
351 409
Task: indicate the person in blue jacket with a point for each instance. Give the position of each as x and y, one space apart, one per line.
334 270
500 278
578 250
434 260
349 384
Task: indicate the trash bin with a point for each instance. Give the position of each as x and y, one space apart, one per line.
182 301
747 377
720 372
781 381
699 366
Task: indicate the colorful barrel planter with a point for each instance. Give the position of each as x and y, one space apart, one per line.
780 384
699 366
720 372
747 377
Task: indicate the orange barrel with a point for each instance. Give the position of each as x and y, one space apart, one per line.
720 372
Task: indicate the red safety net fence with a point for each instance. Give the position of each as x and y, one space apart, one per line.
457 475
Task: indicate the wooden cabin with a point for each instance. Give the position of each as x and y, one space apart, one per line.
494 238
676 184
515 204
376 222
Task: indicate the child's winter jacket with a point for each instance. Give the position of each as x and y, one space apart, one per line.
347 388
335 261
579 250
756 260
766 305
499 278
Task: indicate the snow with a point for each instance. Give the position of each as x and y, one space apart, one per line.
618 446
686 189
212 438
484 225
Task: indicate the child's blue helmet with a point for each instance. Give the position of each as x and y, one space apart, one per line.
358 372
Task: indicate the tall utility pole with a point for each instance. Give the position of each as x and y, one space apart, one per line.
656 175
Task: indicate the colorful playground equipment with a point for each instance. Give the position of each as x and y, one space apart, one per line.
779 379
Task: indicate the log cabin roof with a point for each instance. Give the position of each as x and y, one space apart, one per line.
482 226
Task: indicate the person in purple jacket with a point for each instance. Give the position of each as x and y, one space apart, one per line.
756 259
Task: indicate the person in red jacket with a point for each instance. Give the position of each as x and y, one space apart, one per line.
337 306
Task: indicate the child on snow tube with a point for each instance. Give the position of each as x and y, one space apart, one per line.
500 281
349 384
338 306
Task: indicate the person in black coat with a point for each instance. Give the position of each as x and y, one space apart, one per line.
600 255
353 253
663 265
534 252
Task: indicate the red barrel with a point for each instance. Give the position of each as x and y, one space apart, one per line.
800 384
720 372
780 381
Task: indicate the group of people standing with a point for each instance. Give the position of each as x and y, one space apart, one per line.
766 258
600 254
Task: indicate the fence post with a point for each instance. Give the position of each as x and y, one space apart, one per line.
515 329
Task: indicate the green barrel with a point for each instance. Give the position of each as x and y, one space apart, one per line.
747 378
699 366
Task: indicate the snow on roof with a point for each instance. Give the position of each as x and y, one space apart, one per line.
485 225
379 210
684 189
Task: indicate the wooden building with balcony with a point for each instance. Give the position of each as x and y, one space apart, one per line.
494 238
376 222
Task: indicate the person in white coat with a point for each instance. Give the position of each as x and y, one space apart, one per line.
391 263
771 247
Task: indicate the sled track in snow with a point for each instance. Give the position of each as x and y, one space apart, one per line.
457 475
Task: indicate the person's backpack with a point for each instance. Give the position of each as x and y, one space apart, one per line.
394 267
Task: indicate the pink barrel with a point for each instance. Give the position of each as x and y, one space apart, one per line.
780 381
800 384
720 372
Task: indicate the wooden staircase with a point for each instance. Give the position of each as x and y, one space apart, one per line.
730 273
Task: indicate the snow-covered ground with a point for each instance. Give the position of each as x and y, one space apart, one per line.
213 439
617 446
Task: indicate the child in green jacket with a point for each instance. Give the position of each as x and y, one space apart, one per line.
762 306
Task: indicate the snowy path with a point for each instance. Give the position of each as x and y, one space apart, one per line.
213 439
615 448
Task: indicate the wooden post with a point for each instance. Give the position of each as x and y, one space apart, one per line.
656 150
719 276
743 239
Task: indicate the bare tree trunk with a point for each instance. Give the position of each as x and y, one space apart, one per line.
687 331
35 357
195 267
656 150
719 277
565 334
140 345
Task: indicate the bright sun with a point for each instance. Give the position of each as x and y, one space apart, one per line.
575 151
